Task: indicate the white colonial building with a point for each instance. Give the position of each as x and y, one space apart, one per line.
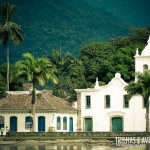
107 108
52 113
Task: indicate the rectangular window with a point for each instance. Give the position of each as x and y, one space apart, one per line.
107 101
88 102
1 120
28 123
144 103
125 102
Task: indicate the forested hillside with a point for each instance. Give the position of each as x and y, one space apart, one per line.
69 24
135 12
97 59
95 38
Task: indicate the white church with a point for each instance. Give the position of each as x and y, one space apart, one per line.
99 109
106 108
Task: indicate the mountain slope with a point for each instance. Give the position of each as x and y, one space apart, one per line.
73 23
135 12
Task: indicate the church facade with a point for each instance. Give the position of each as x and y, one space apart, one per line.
107 108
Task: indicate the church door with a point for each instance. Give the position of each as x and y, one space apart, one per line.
88 124
117 124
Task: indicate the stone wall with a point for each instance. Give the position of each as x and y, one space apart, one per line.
83 134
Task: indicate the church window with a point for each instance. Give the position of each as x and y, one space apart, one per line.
107 101
125 102
144 102
88 102
145 67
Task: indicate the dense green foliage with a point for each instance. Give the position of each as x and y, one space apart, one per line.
136 13
71 75
74 23
103 60
16 83
2 87
98 59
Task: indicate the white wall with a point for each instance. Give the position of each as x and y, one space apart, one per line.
50 120
133 117
140 61
74 116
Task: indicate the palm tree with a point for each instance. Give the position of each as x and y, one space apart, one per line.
9 31
37 71
141 87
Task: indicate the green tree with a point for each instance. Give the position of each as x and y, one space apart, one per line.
37 71
2 87
59 60
9 31
122 61
93 57
141 87
16 83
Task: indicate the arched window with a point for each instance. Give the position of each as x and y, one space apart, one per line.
58 123
65 123
71 124
145 67
28 123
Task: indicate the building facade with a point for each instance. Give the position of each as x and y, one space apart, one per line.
107 108
52 113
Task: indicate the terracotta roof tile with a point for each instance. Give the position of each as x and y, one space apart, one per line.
44 101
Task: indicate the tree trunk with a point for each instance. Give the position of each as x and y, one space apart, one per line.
147 115
33 107
7 48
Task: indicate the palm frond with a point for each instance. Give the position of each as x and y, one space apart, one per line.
6 12
141 87
39 70
41 80
9 30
